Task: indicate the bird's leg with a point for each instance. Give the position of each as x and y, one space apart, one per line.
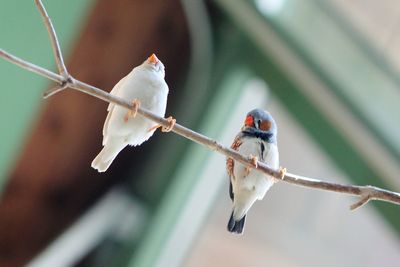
165 129
133 112
282 172
254 160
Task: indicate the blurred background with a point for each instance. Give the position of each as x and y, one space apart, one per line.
326 70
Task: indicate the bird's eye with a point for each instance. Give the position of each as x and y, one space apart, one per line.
264 125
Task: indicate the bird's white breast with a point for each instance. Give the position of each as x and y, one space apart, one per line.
152 92
147 86
255 182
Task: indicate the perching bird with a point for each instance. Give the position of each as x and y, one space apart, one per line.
145 86
256 139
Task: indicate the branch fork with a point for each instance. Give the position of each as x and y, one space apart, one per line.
369 193
65 80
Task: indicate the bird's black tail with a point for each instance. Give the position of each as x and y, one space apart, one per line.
236 226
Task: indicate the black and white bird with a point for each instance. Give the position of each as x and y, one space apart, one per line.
258 139
144 86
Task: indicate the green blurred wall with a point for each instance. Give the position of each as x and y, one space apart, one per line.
24 35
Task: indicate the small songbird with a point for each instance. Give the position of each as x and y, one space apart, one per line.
256 139
145 86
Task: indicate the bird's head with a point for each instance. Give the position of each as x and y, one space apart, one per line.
260 123
154 64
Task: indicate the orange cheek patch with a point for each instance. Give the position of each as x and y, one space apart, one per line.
265 125
249 121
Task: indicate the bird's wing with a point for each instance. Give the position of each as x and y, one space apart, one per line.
115 91
231 195
110 107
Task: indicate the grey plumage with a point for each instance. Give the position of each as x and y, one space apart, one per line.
258 137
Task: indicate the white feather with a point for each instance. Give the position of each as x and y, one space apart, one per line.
149 87
251 186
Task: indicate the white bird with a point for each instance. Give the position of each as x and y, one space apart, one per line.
145 86
257 139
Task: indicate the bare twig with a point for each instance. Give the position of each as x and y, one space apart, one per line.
31 67
366 193
360 203
54 40
54 90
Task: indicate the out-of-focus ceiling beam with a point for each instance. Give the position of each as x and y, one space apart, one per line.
52 182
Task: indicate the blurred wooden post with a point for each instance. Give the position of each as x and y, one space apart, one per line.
52 182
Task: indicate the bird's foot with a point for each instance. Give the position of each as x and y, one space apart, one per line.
171 125
282 172
254 161
133 112
165 129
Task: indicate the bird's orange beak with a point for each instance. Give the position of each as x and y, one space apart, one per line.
152 59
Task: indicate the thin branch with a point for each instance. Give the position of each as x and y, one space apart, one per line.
360 203
31 67
54 90
366 193
53 39
369 192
